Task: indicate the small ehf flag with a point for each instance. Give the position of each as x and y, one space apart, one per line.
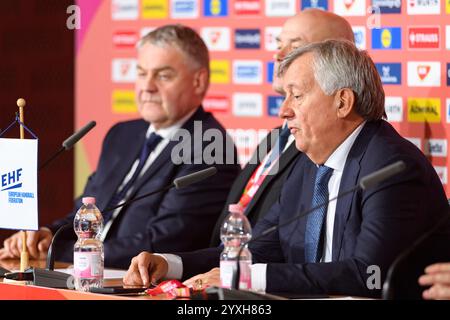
18 184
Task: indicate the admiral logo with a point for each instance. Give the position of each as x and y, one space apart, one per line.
388 6
219 71
247 72
270 37
247 105
123 101
280 8
424 110
447 37
216 38
394 109
248 7
442 173
387 38
423 38
316 4
390 73
448 74
273 105
424 74
124 70
424 7
124 9
247 39
125 39
216 103
270 67
184 9
350 7
416 142
436 147
155 9
215 8
360 37
448 109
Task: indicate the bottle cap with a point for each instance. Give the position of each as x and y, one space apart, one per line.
88 200
235 208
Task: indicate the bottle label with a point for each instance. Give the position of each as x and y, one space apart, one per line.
228 271
88 265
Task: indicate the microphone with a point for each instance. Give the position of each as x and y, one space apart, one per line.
367 181
70 142
54 279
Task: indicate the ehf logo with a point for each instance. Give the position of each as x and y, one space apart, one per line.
11 180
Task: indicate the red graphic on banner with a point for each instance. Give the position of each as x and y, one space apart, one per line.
125 39
423 38
348 3
423 71
216 103
247 7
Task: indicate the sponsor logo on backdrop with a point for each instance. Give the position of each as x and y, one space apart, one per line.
447 6
215 8
360 37
124 70
424 74
416 142
394 108
387 38
124 9
247 105
442 173
216 38
247 71
317 4
219 71
436 147
247 39
350 7
273 105
270 67
424 6
280 8
184 9
247 7
447 102
390 73
216 103
447 37
388 6
125 39
448 74
424 110
270 38
123 101
155 9
423 38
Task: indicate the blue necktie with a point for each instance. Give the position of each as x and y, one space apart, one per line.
278 147
316 219
149 145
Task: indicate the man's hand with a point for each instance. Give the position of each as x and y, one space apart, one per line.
204 280
144 268
37 244
438 277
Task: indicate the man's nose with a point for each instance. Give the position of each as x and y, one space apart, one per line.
280 54
286 111
150 84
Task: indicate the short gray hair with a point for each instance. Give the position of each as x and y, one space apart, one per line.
338 64
184 38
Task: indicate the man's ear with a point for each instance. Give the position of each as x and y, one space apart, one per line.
344 102
201 81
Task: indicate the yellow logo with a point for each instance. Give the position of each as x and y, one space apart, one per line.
123 101
386 38
424 110
447 6
155 9
215 7
220 71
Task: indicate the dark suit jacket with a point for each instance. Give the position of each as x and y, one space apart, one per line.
203 260
371 227
179 219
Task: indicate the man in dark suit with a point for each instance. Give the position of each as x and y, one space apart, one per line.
144 155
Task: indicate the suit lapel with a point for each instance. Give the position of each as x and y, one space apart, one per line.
349 179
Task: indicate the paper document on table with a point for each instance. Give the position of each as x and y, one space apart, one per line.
107 273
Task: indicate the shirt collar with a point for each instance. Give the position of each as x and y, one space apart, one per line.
337 159
169 132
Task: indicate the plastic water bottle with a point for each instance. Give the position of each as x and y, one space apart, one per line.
88 253
236 231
